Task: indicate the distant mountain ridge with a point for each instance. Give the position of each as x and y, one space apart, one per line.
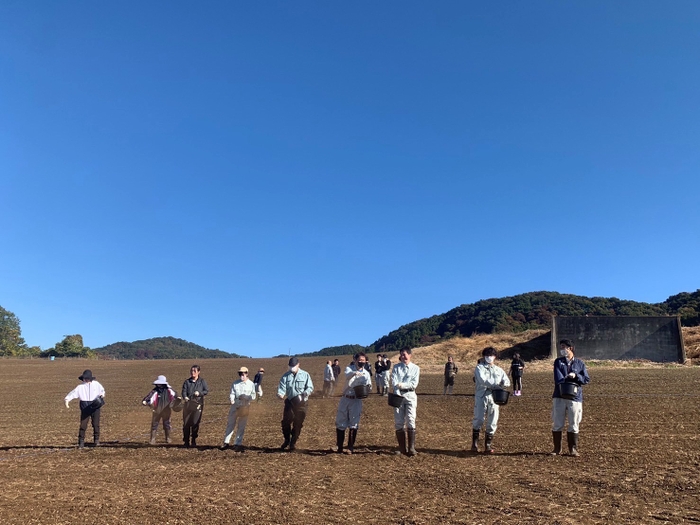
528 311
160 348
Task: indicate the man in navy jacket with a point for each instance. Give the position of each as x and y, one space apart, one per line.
568 369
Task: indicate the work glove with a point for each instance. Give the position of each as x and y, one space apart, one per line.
400 386
196 393
571 375
144 402
67 404
305 397
186 398
280 396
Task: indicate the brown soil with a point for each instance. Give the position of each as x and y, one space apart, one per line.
639 443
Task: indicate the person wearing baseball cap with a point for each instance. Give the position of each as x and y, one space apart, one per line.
296 386
242 393
91 394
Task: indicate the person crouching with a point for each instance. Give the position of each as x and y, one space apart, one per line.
160 400
488 377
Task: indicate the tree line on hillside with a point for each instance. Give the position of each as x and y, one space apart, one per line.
332 350
161 348
528 311
517 313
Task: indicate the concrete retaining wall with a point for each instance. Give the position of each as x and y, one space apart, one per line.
657 339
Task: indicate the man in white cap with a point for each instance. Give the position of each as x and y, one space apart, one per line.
242 393
296 386
350 407
160 400
405 377
91 395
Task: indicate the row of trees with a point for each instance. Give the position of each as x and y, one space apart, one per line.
529 311
12 343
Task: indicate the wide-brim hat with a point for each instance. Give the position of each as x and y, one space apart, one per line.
243 369
86 376
161 380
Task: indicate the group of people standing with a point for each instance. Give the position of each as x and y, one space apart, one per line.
295 387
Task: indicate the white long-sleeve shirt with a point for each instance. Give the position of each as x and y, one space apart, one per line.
242 392
328 374
405 377
86 391
489 377
352 379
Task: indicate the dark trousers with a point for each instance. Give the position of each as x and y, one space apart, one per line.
292 420
88 414
164 415
191 416
517 383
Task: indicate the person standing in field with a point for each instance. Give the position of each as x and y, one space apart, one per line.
387 374
350 407
193 391
242 393
405 377
295 387
336 374
91 394
450 373
257 381
379 374
328 379
567 369
160 399
488 377
517 366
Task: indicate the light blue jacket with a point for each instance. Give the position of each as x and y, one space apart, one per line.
291 385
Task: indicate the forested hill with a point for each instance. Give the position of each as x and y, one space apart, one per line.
332 350
160 348
528 311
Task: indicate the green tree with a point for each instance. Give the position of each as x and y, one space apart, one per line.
11 341
71 346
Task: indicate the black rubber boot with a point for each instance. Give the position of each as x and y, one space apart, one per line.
556 436
339 440
81 443
287 439
475 441
352 435
412 442
153 438
168 439
488 448
401 438
572 439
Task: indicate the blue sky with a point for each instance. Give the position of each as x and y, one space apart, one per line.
265 176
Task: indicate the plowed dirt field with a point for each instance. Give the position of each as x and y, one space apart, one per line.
640 454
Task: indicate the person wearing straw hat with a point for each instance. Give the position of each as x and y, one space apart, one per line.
488 377
242 393
160 400
350 406
567 369
404 378
257 381
295 387
91 394
193 391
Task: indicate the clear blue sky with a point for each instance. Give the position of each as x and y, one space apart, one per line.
265 176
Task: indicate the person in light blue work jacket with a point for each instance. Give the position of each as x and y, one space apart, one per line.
568 369
488 377
295 388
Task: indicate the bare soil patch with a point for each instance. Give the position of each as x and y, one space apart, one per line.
639 443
